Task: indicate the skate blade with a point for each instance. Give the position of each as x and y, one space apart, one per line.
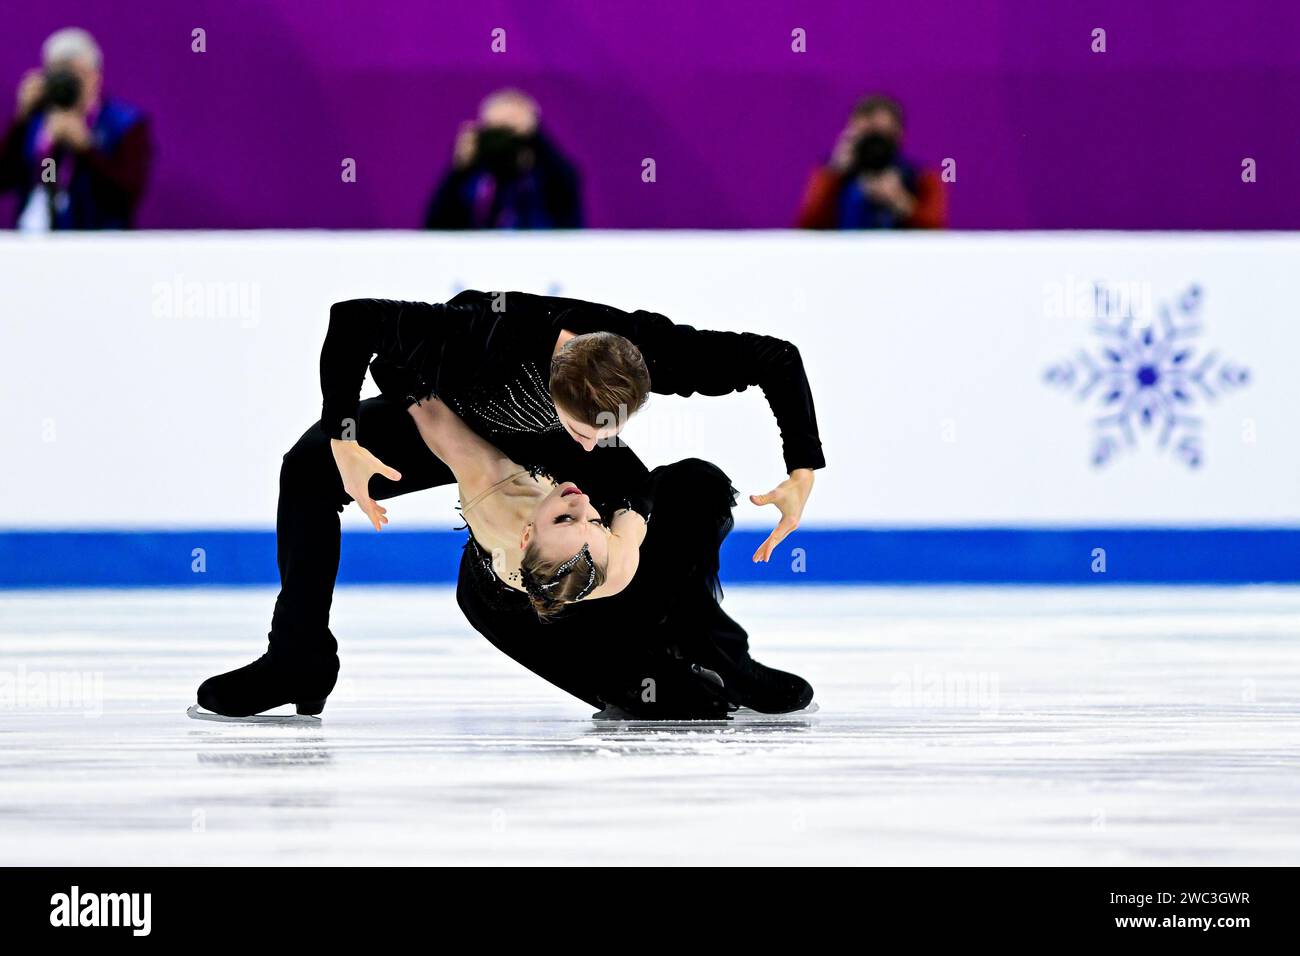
612 714
197 713
606 719
812 708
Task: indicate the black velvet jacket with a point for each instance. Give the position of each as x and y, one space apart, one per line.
485 344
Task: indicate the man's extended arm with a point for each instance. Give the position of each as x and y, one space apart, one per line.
687 361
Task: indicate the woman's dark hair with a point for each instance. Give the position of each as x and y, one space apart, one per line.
599 378
553 584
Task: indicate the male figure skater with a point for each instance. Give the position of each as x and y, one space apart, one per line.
521 370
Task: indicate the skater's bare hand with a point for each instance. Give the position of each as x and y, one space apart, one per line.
356 467
789 496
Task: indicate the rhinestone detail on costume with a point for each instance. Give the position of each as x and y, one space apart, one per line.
521 406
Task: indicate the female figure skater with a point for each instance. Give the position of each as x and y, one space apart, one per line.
663 649
545 378
546 540
668 652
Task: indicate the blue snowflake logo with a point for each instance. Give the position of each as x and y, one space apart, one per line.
1148 382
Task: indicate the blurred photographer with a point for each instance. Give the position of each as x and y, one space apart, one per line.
868 184
506 174
77 160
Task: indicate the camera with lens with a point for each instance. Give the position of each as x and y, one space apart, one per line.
62 89
500 151
873 153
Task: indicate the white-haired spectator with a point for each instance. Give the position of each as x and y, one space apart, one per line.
506 173
77 159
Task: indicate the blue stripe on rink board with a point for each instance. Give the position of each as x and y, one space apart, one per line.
39 559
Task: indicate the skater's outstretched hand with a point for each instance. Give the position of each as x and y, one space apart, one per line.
356 467
789 496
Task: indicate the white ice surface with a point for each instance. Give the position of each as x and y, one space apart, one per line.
1113 726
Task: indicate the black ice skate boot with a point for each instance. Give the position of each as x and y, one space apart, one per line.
722 645
765 689
271 682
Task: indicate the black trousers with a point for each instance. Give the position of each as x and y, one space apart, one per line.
307 532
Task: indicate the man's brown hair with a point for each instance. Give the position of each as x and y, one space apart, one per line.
876 102
599 378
